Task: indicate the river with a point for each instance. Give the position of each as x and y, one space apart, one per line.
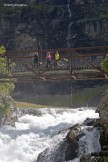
33 134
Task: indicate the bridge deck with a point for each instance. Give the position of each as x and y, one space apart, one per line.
84 74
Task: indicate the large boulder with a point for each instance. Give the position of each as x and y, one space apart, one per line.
72 142
65 150
89 122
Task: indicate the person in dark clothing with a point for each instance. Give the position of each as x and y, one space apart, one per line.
36 60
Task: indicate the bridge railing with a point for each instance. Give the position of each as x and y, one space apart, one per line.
70 58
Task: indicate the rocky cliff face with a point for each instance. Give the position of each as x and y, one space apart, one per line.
40 24
103 108
103 113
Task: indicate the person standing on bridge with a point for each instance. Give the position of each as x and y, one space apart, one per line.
36 60
57 56
48 60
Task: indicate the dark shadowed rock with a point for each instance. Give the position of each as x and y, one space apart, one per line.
89 122
72 143
65 150
55 153
80 135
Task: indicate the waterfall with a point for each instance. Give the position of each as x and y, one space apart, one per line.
70 24
70 36
36 137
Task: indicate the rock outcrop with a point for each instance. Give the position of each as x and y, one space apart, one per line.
103 122
103 108
66 150
44 24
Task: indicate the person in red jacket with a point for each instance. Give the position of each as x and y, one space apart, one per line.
48 60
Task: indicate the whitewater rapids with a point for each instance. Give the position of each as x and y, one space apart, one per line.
33 134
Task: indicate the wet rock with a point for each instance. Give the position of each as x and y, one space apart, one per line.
65 150
89 122
56 153
71 136
80 135
72 143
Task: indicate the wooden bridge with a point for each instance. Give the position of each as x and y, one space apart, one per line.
75 63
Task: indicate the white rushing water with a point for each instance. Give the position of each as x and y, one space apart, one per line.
33 134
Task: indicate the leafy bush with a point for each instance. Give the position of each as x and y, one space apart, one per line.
104 65
6 87
5 103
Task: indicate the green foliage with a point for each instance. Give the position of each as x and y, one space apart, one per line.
5 87
2 50
5 103
104 65
3 66
2 61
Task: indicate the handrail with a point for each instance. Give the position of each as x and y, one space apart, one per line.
58 49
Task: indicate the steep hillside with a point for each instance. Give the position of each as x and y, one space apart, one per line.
39 24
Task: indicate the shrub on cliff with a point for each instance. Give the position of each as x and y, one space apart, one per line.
6 102
6 87
104 65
